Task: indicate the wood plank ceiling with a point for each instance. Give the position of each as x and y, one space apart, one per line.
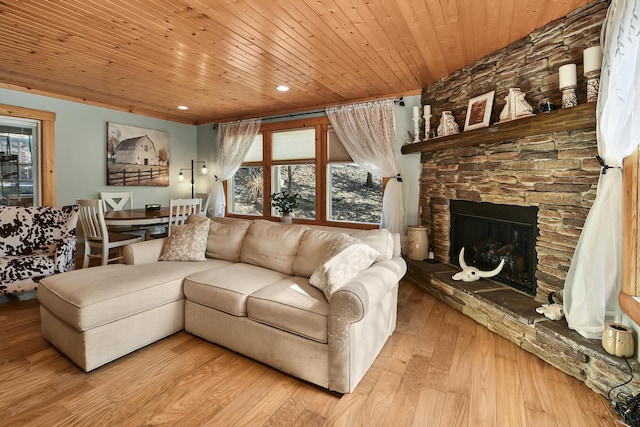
224 58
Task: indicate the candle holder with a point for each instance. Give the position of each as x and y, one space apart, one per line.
427 126
569 98
593 85
416 129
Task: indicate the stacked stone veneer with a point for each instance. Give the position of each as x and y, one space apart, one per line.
557 172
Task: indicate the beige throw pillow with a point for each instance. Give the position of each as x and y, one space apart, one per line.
186 243
345 258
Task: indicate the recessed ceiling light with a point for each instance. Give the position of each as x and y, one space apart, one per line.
283 88
182 107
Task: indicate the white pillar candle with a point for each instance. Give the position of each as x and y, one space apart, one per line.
427 110
416 111
592 58
567 75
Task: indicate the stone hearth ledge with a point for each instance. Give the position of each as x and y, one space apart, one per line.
511 314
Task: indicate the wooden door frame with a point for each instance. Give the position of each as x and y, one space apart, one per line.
47 147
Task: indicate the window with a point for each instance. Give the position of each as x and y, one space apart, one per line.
353 193
18 162
46 162
294 168
247 185
307 158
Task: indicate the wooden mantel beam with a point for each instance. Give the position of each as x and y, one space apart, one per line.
580 117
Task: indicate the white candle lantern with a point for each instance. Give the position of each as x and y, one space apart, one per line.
567 83
592 58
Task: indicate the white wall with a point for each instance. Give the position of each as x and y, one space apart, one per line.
206 135
81 153
409 164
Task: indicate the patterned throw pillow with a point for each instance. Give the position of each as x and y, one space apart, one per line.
345 258
186 243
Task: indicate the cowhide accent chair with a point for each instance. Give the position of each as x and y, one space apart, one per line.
35 242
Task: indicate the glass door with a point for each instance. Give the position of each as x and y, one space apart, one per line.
19 165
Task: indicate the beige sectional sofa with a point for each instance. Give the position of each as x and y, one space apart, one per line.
315 302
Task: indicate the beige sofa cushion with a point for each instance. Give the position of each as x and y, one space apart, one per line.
379 239
116 291
226 236
228 220
272 245
291 305
227 289
313 246
345 258
225 240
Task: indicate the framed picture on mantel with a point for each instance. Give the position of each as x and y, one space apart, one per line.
479 111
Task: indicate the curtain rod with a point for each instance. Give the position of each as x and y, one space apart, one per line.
399 101
305 113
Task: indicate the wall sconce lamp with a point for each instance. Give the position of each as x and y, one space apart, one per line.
203 171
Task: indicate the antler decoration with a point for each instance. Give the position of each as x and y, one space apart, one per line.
471 274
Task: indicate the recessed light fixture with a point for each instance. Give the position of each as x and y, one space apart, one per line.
283 88
182 107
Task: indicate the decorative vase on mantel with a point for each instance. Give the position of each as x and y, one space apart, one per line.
515 107
448 125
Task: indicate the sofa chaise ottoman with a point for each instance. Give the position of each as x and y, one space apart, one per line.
262 289
98 314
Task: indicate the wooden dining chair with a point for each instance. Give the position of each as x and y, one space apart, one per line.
179 211
96 234
116 200
204 202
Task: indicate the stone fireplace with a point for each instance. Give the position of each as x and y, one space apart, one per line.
550 168
555 173
492 234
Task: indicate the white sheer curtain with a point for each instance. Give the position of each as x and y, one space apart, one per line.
367 131
230 149
593 282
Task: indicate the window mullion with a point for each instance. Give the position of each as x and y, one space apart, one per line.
267 172
321 172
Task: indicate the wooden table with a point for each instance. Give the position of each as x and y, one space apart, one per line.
139 216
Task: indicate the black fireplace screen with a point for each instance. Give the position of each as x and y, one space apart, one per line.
491 233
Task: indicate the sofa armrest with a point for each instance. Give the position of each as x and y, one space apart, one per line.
65 255
143 252
353 300
369 299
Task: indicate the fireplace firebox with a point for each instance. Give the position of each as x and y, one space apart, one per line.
491 233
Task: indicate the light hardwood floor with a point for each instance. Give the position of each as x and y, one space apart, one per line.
439 368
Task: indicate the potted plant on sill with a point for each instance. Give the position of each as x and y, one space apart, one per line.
285 202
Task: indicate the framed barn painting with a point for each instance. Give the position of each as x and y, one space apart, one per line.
137 156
